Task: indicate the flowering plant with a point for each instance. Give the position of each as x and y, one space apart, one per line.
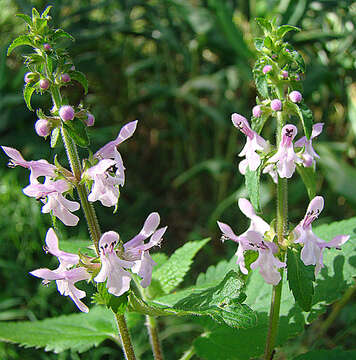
125 275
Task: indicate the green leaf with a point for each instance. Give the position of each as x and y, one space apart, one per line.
282 30
172 272
25 18
222 302
35 14
309 179
264 24
27 94
299 60
305 115
20 40
59 33
77 332
335 354
252 181
300 278
46 11
258 123
261 84
268 43
81 78
54 137
258 44
77 131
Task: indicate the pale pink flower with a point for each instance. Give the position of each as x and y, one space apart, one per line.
286 158
253 239
37 167
65 275
254 142
309 153
51 194
312 252
138 251
112 267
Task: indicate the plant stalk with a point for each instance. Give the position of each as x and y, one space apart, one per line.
90 216
125 337
188 354
282 230
151 324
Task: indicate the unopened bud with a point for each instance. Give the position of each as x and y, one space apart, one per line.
257 111
29 77
295 96
266 69
47 47
276 105
90 120
285 74
44 84
65 78
66 113
42 127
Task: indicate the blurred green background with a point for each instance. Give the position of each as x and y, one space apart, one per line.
181 68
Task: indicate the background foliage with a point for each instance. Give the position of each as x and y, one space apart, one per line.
181 67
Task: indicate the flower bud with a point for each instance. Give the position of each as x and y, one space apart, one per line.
44 84
266 69
90 120
29 77
42 127
285 74
297 77
66 113
47 47
257 111
295 96
276 105
65 78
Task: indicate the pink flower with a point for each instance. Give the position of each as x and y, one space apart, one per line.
285 158
257 111
65 78
90 120
285 74
266 69
51 194
253 239
309 153
44 84
38 168
66 112
276 105
295 96
254 142
42 127
312 252
65 275
137 251
112 267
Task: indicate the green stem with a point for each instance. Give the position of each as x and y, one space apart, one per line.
188 354
151 324
90 216
125 337
282 229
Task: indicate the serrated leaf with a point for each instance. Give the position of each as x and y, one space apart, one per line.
282 30
59 33
252 181
309 179
81 78
261 84
223 302
305 115
172 272
77 332
26 18
54 137
138 305
335 354
27 94
77 131
300 279
298 58
20 40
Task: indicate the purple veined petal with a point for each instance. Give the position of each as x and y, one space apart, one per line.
310 253
228 232
14 154
126 132
301 142
251 236
104 271
143 268
254 160
77 274
242 124
34 190
148 229
80 305
315 207
58 185
289 132
48 274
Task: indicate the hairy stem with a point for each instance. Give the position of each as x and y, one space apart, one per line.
282 229
90 216
188 354
151 325
125 337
